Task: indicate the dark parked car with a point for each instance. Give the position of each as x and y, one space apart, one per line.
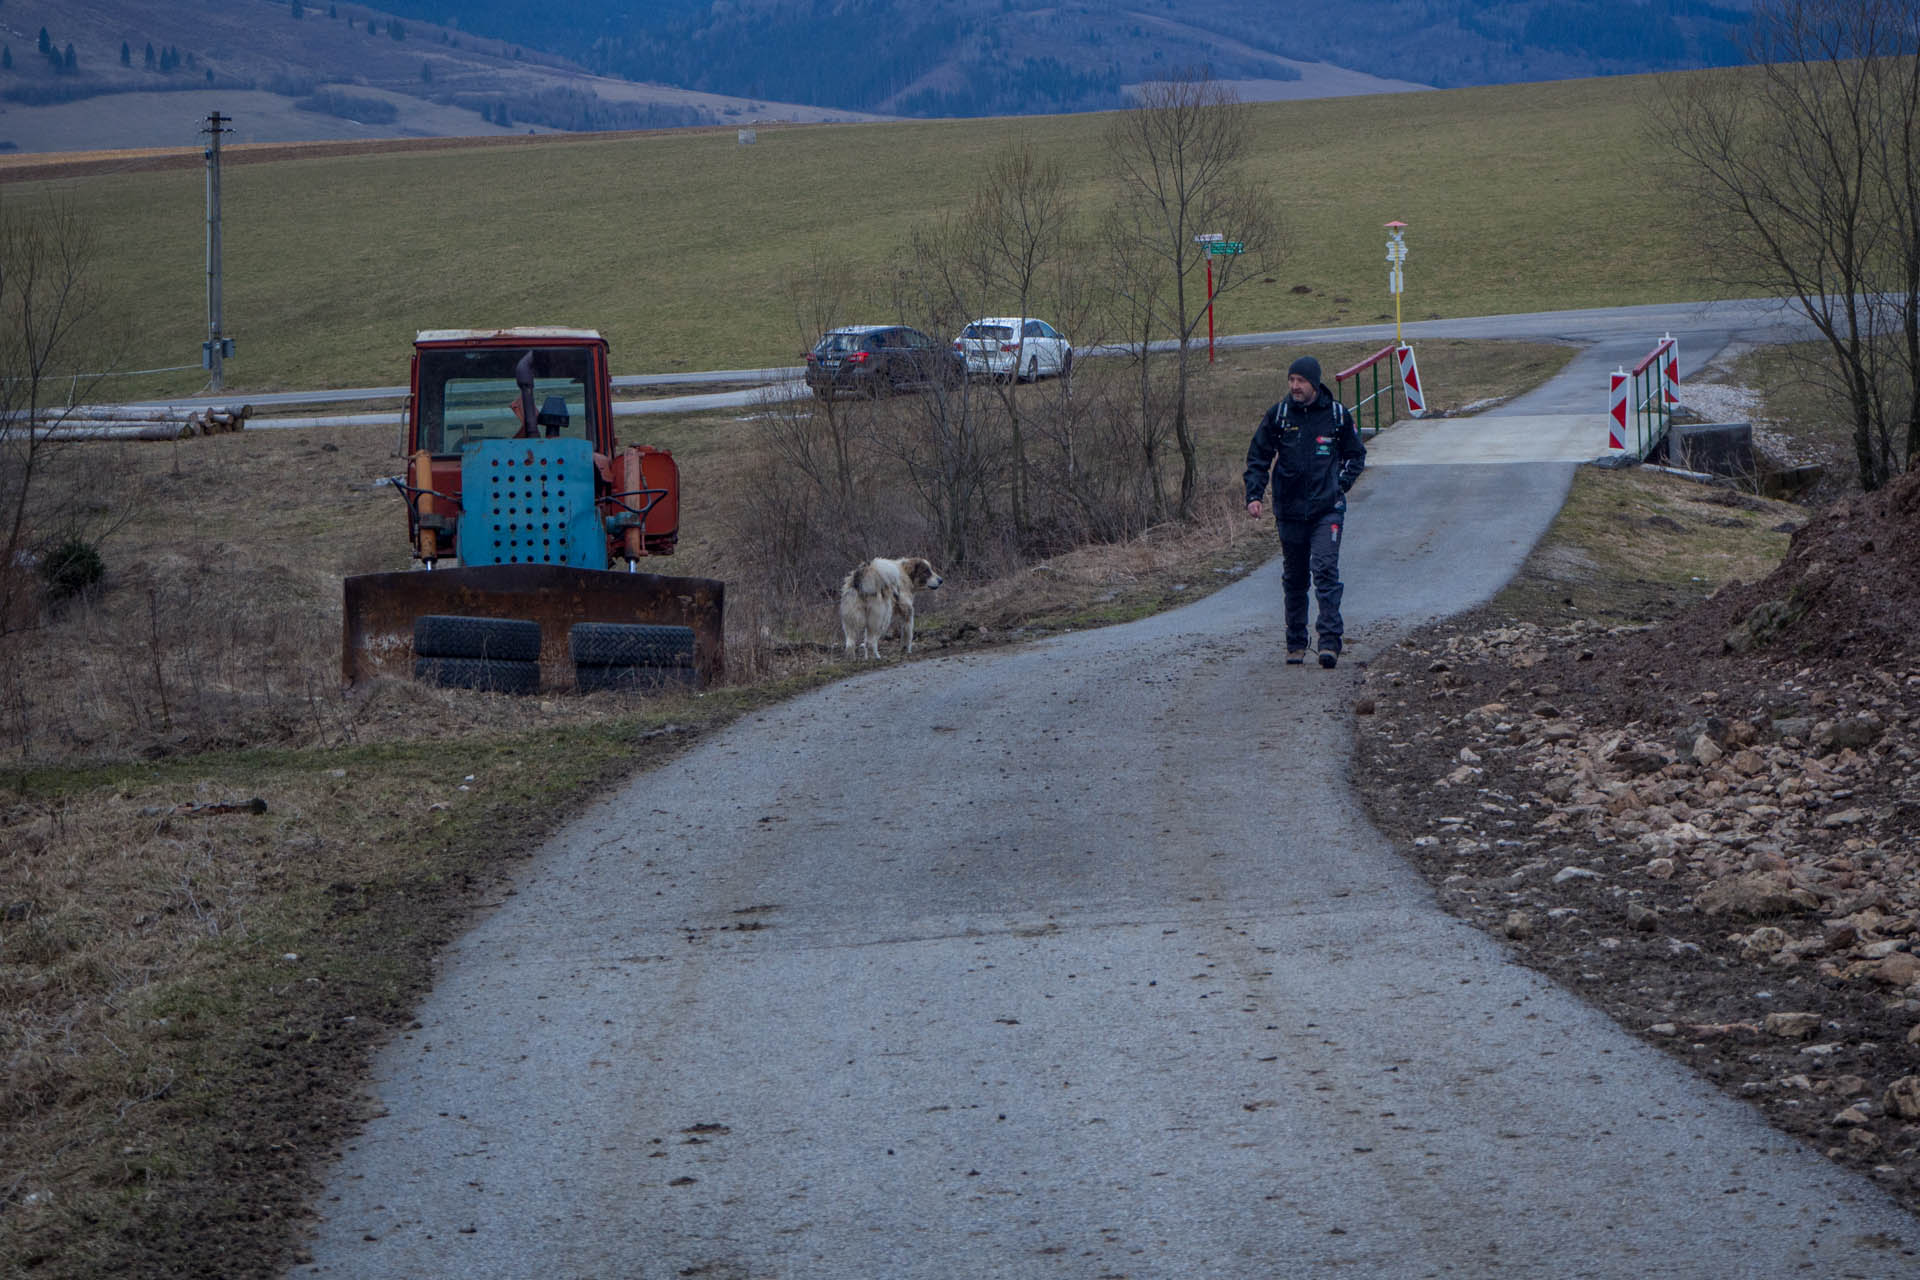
877 360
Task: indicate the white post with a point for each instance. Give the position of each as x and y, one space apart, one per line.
1617 410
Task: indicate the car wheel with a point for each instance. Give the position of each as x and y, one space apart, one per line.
1066 364
1033 368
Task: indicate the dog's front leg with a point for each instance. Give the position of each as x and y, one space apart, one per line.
909 628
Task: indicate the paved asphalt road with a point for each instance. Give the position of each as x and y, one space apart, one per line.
1076 959
1609 338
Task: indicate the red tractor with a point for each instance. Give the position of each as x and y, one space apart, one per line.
520 502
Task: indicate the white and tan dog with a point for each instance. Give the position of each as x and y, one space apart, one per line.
875 593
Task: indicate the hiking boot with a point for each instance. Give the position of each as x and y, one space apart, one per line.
1329 658
1296 656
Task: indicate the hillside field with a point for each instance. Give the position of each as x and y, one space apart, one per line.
677 244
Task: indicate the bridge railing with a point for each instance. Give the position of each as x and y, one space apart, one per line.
1372 402
1651 393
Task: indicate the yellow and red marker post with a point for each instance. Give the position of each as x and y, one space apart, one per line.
1410 387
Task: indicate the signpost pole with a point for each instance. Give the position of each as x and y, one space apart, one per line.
1410 388
1216 245
1396 279
1207 240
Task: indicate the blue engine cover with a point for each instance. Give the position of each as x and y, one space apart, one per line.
530 502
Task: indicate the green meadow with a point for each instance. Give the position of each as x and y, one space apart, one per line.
676 245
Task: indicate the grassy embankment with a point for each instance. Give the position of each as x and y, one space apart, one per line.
1519 198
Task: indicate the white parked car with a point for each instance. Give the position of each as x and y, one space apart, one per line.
1014 346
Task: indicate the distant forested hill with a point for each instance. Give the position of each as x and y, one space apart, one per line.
1004 57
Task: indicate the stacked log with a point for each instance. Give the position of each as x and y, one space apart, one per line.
108 422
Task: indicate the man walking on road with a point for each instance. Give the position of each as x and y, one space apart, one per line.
1308 444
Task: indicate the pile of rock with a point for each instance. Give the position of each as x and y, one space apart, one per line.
1817 804
1765 828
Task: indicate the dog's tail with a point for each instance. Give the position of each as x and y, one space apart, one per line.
863 580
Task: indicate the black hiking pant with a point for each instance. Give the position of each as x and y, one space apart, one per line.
1310 551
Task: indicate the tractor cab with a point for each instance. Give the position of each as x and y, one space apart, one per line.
469 387
512 457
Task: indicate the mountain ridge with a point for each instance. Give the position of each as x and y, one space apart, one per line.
125 74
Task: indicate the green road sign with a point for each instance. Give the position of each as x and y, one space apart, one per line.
1223 247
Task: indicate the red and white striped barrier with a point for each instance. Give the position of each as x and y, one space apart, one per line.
1670 372
1410 382
1617 411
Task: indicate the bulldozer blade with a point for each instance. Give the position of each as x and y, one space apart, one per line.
380 608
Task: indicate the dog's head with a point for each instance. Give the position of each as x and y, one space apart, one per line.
920 573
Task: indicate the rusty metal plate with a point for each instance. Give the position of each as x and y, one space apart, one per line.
379 609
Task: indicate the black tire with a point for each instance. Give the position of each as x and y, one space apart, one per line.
631 679
1066 364
627 644
439 635
489 675
1033 368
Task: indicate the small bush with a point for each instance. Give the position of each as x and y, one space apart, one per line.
71 568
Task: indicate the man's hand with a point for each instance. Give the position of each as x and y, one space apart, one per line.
1253 508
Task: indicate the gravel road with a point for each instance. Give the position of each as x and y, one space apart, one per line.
1075 959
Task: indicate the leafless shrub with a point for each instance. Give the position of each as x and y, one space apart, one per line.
814 483
1089 470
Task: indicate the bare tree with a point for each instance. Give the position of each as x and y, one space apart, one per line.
820 294
952 447
49 316
1135 303
51 513
1016 242
1178 159
1802 174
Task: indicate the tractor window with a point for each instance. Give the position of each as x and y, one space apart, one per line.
470 396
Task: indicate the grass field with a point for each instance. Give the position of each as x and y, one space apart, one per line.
676 245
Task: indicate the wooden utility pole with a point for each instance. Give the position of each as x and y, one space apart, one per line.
217 348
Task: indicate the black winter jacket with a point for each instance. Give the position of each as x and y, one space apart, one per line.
1313 453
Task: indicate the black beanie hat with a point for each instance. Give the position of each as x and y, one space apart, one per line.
1307 367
